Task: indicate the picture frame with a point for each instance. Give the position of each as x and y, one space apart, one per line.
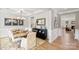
21 22
13 22
41 21
7 21
55 23
73 22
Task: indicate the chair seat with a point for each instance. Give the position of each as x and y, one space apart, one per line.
22 42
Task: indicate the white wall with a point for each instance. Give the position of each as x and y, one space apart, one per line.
47 15
4 29
27 22
50 15
61 19
77 26
69 18
53 33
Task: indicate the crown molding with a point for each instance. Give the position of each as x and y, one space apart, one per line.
68 11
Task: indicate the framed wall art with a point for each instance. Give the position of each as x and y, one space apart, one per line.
41 21
13 22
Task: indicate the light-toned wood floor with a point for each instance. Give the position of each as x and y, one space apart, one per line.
60 44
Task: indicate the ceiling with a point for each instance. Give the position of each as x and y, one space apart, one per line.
22 11
66 10
29 11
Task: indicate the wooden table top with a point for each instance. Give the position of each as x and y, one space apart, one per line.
20 34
